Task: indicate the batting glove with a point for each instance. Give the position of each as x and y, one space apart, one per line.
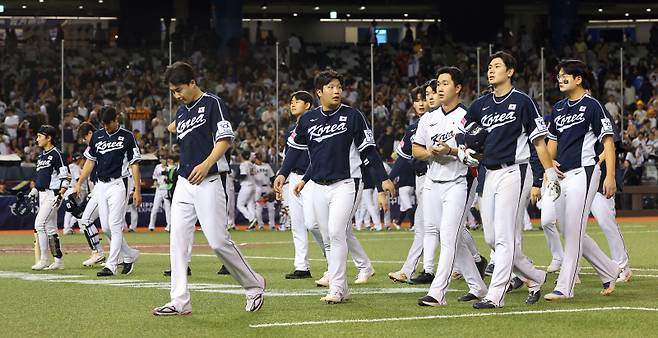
465 156
553 189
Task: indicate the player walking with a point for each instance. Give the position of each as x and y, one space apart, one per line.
51 182
204 136
338 141
577 123
512 120
112 151
160 199
246 203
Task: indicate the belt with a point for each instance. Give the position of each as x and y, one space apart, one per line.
298 171
327 182
107 179
500 166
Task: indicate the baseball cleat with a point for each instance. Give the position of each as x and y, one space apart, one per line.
364 276
554 266
398 276
223 271
457 275
489 270
56 265
105 273
129 267
428 301
167 273
42 264
555 295
514 284
255 302
334 298
324 281
423 278
95 258
482 266
170 310
533 297
625 275
608 288
299 274
467 297
484 304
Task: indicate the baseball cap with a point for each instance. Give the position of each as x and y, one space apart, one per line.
48 130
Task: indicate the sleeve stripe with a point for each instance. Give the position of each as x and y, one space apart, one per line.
537 134
402 154
221 114
365 145
604 134
297 146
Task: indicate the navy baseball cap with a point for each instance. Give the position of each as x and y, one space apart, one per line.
48 130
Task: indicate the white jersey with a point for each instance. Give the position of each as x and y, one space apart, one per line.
159 176
247 168
75 171
441 126
263 173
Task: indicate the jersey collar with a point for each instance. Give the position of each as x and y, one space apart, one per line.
195 102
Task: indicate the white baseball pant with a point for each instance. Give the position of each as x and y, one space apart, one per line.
603 210
361 217
247 201
369 197
112 203
573 206
548 224
89 215
207 203
45 222
302 221
504 199
230 191
266 189
160 201
416 249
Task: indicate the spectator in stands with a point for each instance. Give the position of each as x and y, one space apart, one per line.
640 113
633 166
385 143
612 106
12 120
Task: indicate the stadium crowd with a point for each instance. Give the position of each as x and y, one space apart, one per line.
132 81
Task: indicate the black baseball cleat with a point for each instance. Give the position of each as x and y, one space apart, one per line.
223 271
423 278
467 297
127 268
482 266
105 273
167 273
484 304
428 301
514 284
533 297
489 270
299 274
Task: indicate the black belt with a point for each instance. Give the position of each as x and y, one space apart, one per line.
298 171
499 166
107 179
327 182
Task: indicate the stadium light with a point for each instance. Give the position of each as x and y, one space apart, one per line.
648 10
2 8
41 1
333 15
294 14
406 15
24 7
100 1
362 8
348 15
600 10
626 14
316 8
263 7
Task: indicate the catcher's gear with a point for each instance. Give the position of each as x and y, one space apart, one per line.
55 248
25 205
74 206
91 234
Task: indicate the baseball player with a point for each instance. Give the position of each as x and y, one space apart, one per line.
131 210
52 181
419 168
263 178
338 140
576 124
90 213
160 199
511 119
246 203
75 168
113 151
301 217
204 136
403 173
447 189
230 191
370 203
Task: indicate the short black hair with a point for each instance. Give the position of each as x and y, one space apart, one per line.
508 59
108 114
431 83
246 155
577 68
420 90
454 72
85 128
179 73
302 95
324 77
48 131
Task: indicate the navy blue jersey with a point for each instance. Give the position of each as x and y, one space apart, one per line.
92 177
368 180
301 163
577 126
198 127
51 171
404 150
510 121
404 171
334 140
113 153
598 149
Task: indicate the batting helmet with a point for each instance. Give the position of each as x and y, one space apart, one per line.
75 207
25 205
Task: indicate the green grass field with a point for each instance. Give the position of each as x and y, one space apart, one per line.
71 303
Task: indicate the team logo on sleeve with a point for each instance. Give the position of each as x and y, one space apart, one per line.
606 126
185 127
541 126
370 138
224 127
